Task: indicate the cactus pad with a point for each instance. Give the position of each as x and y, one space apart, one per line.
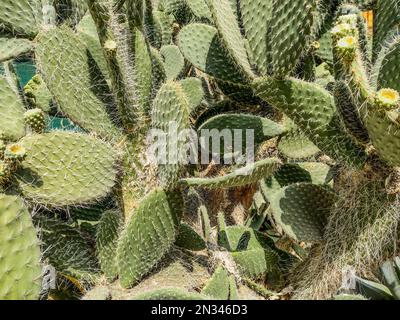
290 27
255 14
12 48
68 249
302 210
35 119
239 177
64 168
171 107
170 294
251 250
20 269
387 64
263 128
201 45
37 95
21 18
385 135
218 286
290 173
228 28
173 61
312 108
73 78
296 145
148 236
107 233
12 113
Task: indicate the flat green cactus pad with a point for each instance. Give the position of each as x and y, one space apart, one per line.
170 294
107 233
65 168
11 48
263 128
20 269
73 78
21 18
171 107
194 92
290 173
173 61
92 42
12 111
37 95
148 236
385 136
228 28
218 286
291 25
296 145
302 209
255 14
201 45
254 263
144 72
189 239
348 111
239 177
386 68
386 17
313 110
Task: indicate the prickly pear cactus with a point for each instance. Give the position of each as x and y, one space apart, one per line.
20 269
278 120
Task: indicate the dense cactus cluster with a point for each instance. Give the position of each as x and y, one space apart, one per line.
316 85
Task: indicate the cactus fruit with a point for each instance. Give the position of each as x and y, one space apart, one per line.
346 47
250 250
35 119
20 269
4 173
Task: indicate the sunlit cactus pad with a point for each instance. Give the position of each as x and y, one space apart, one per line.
64 168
